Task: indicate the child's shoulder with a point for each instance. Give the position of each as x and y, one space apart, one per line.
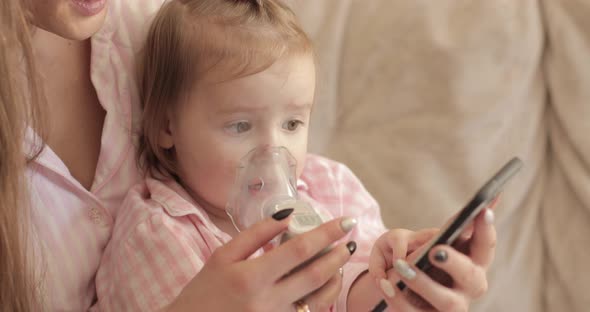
316 164
145 202
140 196
325 175
332 185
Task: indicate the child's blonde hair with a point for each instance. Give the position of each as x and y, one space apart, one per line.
189 39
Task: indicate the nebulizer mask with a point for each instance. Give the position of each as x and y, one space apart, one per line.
266 183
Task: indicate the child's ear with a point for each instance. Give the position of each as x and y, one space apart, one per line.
166 140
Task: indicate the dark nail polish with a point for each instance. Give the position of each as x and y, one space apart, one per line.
440 256
351 246
282 214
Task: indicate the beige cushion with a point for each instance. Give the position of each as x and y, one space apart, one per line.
424 100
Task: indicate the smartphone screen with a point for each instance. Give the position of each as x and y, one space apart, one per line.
449 233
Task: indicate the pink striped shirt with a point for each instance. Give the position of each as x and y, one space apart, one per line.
73 225
162 238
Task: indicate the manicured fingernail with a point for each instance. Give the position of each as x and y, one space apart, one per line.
347 224
441 256
282 214
404 269
387 288
351 246
488 216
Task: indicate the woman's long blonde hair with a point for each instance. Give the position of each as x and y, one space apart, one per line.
19 104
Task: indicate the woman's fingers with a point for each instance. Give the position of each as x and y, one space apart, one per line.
408 301
247 242
317 273
301 248
438 296
483 243
322 299
400 303
466 273
467 276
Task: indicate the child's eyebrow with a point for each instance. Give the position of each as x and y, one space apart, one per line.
237 108
227 110
300 105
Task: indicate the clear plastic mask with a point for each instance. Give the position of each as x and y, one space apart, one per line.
266 183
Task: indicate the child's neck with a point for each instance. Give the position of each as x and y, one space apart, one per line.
218 216
223 223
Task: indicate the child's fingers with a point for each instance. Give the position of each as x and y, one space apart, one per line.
397 241
397 244
253 238
419 242
378 263
390 246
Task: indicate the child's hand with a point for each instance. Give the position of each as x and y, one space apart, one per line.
393 245
460 276
230 281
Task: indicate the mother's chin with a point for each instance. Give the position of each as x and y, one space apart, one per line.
70 19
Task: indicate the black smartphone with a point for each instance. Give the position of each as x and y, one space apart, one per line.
449 234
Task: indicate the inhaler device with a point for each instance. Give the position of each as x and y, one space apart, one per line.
266 183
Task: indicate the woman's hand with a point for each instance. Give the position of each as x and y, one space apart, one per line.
458 275
230 281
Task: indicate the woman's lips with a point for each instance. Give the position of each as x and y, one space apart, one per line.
89 7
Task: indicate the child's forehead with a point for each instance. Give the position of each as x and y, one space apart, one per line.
253 95
254 102
245 105
234 70
286 85
285 74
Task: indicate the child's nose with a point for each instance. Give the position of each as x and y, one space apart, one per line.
272 139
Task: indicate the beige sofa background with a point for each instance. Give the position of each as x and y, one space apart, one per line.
424 100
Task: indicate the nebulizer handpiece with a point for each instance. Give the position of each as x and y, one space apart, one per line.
266 183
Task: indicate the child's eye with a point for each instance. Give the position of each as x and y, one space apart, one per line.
292 125
240 127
